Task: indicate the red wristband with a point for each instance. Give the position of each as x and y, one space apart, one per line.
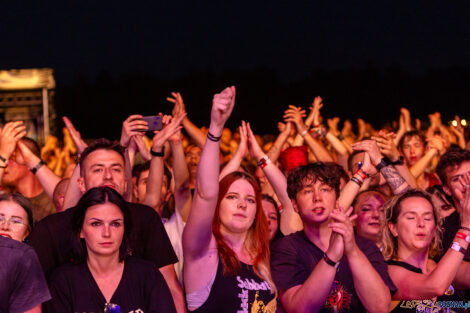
362 174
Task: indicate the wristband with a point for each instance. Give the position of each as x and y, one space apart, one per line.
281 209
37 167
357 181
264 161
457 247
212 137
462 236
362 174
330 262
383 163
400 161
341 137
158 154
465 228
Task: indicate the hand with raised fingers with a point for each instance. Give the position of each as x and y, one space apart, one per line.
138 144
179 107
464 181
436 142
75 134
347 129
386 145
406 118
10 134
134 125
242 148
343 224
317 104
281 126
369 146
222 106
333 125
361 128
255 150
295 115
171 126
26 157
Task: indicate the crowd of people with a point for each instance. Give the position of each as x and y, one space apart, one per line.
202 219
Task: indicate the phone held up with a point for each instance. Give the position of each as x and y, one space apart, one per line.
154 123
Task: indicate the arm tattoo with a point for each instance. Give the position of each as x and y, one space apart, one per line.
394 179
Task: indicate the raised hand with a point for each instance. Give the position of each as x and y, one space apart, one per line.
26 157
171 127
343 225
406 118
222 106
242 148
386 145
255 150
464 198
75 135
315 110
10 134
132 126
179 107
371 148
333 125
294 115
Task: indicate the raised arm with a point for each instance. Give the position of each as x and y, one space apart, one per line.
10 134
234 163
290 220
276 148
153 196
198 231
193 131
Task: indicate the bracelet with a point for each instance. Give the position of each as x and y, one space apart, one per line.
281 208
158 154
457 247
400 161
362 174
212 137
37 167
330 261
462 236
305 131
264 161
357 181
465 228
318 131
341 137
383 163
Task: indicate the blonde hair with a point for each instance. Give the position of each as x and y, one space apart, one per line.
392 211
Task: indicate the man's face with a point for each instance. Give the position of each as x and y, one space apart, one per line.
104 168
455 185
314 202
412 149
15 170
193 156
140 189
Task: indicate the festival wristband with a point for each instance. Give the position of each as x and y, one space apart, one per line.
37 167
362 174
357 181
462 236
457 247
330 262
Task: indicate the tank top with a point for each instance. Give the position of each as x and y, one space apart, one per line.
424 306
244 292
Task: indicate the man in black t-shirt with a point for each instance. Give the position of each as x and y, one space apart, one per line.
325 267
453 170
102 164
22 284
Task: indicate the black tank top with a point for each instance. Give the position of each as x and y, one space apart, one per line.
450 297
245 292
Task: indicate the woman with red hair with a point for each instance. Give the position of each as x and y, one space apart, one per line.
226 238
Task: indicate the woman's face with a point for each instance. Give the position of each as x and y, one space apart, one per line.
237 209
415 227
103 229
369 210
271 215
13 220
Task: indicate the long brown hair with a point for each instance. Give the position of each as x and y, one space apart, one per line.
257 240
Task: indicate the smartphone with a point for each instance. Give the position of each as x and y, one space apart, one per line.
154 122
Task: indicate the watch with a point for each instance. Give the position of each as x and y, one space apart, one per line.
38 166
457 247
330 261
158 154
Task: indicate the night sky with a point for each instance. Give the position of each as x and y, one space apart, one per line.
292 40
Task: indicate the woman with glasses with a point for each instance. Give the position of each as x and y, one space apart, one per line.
16 216
104 277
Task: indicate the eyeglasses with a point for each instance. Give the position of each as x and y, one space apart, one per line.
111 308
13 222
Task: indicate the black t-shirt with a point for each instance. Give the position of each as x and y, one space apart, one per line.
294 257
142 289
244 292
407 306
22 282
450 226
52 238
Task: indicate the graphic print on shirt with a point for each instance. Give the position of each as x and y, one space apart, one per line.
250 287
338 299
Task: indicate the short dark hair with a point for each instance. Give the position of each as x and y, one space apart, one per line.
98 144
23 202
95 196
453 157
411 134
321 171
138 169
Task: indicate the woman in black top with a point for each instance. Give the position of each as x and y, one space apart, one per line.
105 277
411 237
